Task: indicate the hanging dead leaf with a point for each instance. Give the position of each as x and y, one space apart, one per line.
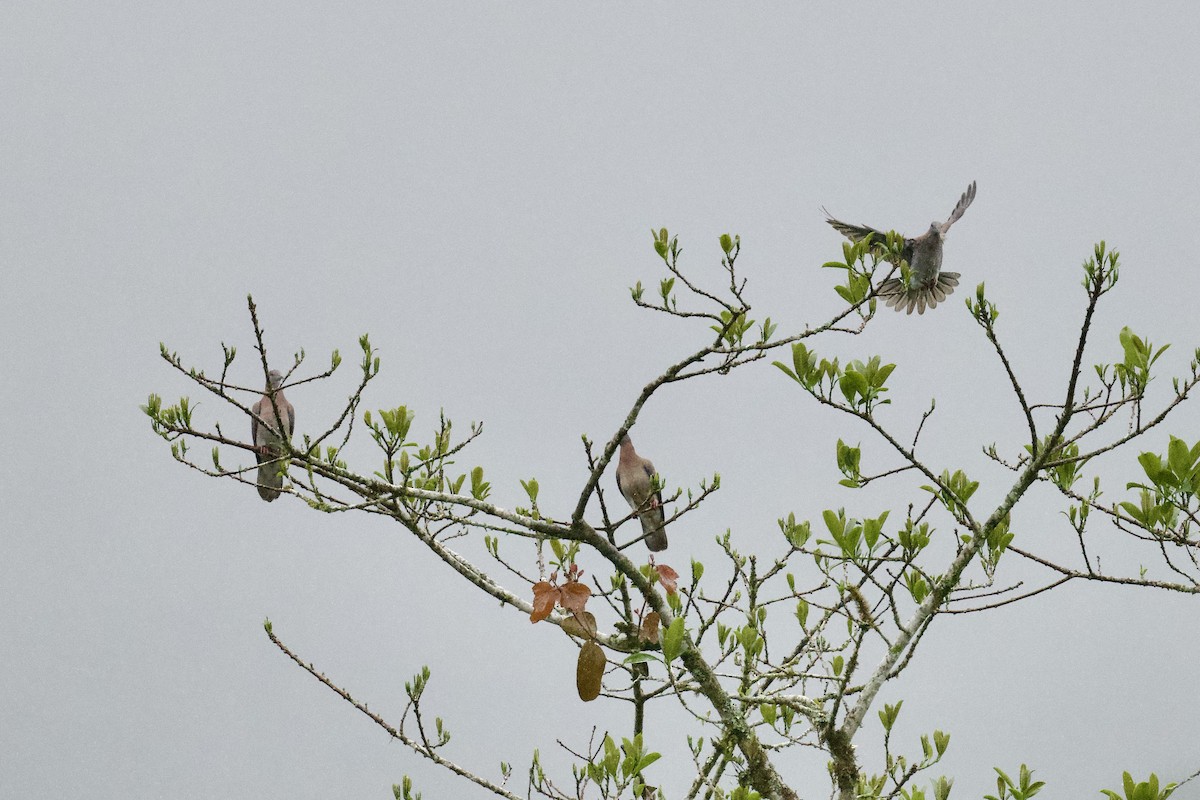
582 625
589 671
668 576
649 631
574 596
545 595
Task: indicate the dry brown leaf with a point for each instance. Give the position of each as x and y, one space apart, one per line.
574 596
649 631
545 595
668 576
582 625
589 671
574 628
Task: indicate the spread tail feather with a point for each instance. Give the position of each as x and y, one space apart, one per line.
918 299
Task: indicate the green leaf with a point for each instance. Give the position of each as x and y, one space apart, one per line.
665 287
672 640
836 523
646 760
768 329
848 460
788 372
872 528
889 713
640 658
918 587
612 756
882 375
853 385
1146 790
742 793
797 534
480 489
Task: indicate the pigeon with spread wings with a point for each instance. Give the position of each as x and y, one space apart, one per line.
927 285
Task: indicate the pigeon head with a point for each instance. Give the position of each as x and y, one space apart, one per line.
274 378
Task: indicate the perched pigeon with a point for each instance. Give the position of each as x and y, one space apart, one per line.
635 479
270 470
928 285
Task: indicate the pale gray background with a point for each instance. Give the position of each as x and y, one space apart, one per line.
474 185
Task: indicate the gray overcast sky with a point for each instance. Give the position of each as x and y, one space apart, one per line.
473 185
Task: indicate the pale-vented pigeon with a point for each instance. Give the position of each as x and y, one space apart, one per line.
635 479
268 443
928 285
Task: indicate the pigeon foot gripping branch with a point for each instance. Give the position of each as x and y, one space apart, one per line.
927 284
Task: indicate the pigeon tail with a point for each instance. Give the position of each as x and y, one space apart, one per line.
917 298
270 479
653 525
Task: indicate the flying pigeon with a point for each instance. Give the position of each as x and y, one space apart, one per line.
928 285
635 479
266 441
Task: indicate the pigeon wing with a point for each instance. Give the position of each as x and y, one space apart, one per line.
964 202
